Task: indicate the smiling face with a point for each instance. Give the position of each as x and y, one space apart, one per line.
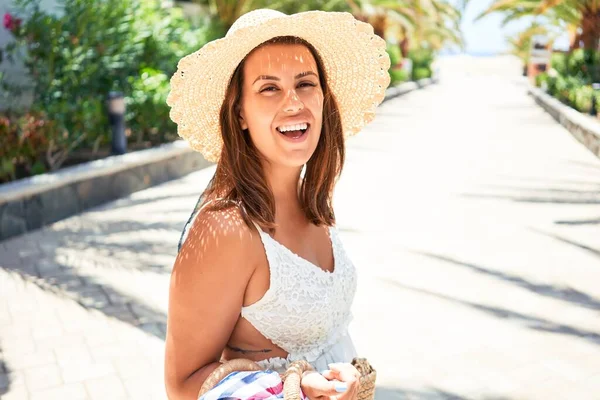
282 95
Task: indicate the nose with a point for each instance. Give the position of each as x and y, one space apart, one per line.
293 102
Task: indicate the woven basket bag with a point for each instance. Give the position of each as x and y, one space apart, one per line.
291 378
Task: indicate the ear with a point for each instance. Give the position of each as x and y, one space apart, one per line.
243 121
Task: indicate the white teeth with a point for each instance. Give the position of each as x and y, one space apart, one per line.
292 127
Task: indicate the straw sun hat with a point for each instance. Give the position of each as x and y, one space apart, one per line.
354 58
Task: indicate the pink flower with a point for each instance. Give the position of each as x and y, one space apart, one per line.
8 21
11 23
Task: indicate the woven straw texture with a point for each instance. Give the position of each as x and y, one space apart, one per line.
368 376
354 58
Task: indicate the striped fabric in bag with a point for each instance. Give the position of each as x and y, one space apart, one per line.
248 385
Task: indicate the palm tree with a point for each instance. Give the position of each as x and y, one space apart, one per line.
521 42
420 21
383 14
434 21
440 23
580 17
226 12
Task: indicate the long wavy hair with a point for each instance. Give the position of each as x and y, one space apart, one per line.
240 177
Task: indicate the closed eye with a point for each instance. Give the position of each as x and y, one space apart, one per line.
303 84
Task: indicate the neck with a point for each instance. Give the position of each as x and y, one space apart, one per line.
284 183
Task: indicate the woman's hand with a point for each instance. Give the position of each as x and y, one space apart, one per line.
340 382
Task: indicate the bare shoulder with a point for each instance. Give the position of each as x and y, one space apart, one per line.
222 234
208 282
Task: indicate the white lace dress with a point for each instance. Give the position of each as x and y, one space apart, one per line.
306 310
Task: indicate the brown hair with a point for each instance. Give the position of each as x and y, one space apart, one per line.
240 177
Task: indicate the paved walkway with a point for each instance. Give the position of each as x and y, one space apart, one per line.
473 219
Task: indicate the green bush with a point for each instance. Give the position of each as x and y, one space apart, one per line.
398 76
169 36
24 138
540 79
571 80
395 55
147 110
584 65
551 85
421 73
421 57
74 59
559 63
422 60
581 98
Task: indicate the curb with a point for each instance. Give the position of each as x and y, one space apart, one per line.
583 128
31 203
407 87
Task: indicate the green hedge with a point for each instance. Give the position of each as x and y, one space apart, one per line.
75 59
422 60
571 77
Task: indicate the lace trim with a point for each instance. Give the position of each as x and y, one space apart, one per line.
280 363
269 293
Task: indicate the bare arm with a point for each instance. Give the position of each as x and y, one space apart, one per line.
206 294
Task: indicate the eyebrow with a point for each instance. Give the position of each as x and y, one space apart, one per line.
274 78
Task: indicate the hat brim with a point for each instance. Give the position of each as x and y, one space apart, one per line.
355 61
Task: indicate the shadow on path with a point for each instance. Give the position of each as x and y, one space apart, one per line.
63 258
394 393
549 194
591 250
593 221
545 196
94 295
5 380
565 294
525 320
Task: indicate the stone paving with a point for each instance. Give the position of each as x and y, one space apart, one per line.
472 217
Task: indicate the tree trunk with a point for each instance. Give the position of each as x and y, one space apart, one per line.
590 30
404 46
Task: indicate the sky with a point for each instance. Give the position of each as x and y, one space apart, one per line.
487 36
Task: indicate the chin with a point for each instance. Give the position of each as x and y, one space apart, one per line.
296 160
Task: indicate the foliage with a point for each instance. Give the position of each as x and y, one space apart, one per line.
395 54
541 79
581 18
398 76
581 98
23 138
558 61
520 44
421 73
74 58
422 60
169 36
147 110
584 64
571 76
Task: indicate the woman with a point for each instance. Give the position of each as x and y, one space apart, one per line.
261 274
